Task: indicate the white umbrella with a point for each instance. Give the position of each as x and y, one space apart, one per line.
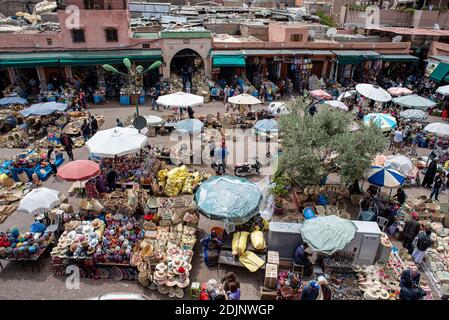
438 129
153 120
337 104
346 94
39 200
414 101
400 163
244 98
180 99
373 92
117 141
413 114
444 90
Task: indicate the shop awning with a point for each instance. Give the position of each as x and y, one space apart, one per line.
355 57
399 58
440 72
74 58
228 61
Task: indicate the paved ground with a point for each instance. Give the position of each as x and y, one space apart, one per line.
18 283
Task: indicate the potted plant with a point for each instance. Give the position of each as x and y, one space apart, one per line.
279 190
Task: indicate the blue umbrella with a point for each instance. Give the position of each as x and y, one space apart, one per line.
266 125
12 100
43 109
385 177
189 126
383 121
227 198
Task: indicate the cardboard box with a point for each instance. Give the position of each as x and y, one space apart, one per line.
273 257
271 275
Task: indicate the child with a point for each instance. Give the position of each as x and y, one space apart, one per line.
234 291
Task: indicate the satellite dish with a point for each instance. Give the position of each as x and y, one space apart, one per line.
397 39
312 34
331 32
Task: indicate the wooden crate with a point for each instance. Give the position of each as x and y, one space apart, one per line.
267 294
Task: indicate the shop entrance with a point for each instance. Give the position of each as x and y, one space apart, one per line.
28 81
87 76
186 64
4 81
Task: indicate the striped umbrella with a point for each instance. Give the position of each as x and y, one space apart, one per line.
385 177
383 121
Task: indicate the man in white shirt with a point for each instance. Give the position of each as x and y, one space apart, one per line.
397 140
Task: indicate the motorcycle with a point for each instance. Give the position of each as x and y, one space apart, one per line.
247 168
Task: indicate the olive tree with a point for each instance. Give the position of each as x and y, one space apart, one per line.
313 147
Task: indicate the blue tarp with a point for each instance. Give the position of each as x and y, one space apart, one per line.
227 198
43 109
12 100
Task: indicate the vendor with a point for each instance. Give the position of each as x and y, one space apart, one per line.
301 258
366 214
410 289
310 291
400 196
111 179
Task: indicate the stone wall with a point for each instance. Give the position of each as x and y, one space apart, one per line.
258 31
10 7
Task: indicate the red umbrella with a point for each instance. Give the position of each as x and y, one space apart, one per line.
79 170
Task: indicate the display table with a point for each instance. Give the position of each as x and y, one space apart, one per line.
29 172
433 280
33 260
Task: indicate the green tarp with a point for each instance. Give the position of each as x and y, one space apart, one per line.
355 57
440 72
228 61
75 58
399 58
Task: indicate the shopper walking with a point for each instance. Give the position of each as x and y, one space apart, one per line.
85 129
51 156
430 174
411 230
416 140
422 244
93 125
437 183
68 145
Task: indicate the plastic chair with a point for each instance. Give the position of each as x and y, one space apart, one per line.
382 223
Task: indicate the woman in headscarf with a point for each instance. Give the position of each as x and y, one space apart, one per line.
325 290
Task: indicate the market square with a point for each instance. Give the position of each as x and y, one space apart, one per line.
170 156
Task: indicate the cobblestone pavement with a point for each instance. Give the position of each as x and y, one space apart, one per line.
19 283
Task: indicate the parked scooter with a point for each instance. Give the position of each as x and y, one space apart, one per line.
247 168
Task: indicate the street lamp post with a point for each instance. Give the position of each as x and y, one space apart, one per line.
136 75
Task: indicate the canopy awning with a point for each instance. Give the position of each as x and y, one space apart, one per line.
399 58
355 57
228 61
73 58
440 72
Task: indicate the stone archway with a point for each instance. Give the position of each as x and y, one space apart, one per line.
187 61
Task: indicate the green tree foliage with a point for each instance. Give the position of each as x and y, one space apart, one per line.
313 147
